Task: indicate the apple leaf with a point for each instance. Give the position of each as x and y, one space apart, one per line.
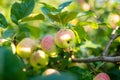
68 16
21 10
8 33
48 9
11 66
34 31
94 25
81 34
63 5
33 17
3 22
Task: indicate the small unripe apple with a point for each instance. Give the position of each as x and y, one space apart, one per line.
48 46
50 71
39 59
65 38
25 47
102 76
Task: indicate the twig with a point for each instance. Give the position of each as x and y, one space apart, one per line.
96 59
112 38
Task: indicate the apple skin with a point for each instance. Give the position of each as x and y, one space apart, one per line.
25 47
65 38
39 59
85 6
102 76
48 46
50 71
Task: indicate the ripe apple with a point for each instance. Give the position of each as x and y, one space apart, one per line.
39 59
26 47
50 71
85 6
48 46
102 76
113 19
65 38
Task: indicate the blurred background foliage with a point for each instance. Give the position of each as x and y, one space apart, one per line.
96 18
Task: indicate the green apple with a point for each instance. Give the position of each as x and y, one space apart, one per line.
102 76
48 46
39 59
26 47
65 38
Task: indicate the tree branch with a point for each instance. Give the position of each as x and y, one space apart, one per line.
104 57
112 38
95 59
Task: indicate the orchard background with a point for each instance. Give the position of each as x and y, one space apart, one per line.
94 48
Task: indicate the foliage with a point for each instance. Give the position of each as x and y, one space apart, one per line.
92 28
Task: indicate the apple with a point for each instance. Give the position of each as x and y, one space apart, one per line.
25 47
113 19
48 46
85 6
39 59
102 76
50 71
65 38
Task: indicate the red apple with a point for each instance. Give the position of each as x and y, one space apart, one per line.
48 46
102 76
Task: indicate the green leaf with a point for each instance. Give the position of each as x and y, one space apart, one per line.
54 17
45 10
3 22
94 25
88 13
8 33
81 34
10 65
33 17
83 23
21 10
63 5
34 31
90 44
82 74
50 12
68 16
48 9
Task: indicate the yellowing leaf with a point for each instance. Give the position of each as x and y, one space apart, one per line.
94 25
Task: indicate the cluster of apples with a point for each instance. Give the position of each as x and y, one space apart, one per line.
26 48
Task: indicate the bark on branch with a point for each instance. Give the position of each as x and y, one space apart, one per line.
112 38
96 59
